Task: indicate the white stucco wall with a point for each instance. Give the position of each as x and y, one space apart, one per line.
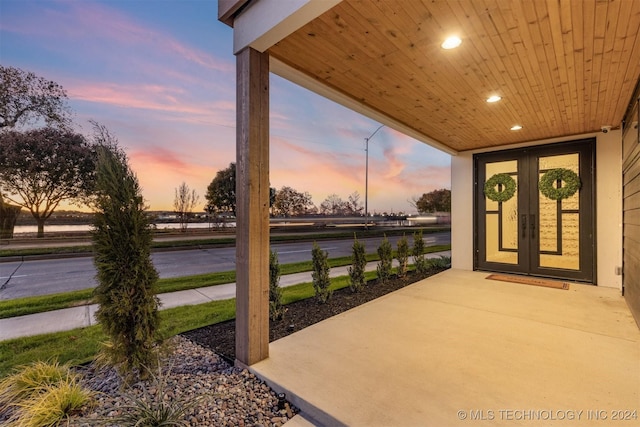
608 206
462 211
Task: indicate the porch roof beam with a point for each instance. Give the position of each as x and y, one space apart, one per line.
263 23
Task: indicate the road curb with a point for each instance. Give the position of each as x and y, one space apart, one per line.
46 256
19 258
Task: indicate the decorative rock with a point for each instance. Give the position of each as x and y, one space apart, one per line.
223 395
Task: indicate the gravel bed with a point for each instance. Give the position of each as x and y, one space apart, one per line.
216 394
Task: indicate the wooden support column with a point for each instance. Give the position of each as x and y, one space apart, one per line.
252 207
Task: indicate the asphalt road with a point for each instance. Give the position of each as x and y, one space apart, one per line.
42 277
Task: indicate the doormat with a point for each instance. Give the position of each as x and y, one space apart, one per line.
529 281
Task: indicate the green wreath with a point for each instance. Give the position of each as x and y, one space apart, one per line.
508 187
570 183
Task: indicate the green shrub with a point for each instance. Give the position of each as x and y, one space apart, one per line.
358 265
385 252
441 262
417 252
276 309
402 255
320 274
127 279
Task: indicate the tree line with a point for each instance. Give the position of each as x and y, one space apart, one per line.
289 202
284 202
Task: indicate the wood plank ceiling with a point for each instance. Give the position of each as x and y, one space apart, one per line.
562 67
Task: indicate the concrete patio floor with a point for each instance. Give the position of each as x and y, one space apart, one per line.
459 350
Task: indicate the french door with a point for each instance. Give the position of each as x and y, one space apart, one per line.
535 211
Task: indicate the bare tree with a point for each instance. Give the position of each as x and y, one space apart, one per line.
354 204
334 205
183 203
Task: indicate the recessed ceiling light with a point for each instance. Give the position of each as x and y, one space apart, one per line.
451 42
516 127
494 98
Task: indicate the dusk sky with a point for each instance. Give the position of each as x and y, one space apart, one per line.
161 76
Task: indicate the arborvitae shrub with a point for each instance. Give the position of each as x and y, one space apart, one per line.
127 279
276 309
402 255
320 274
385 252
417 252
358 264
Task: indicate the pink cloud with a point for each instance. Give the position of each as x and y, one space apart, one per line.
318 171
392 164
162 157
154 97
396 171
423 180
160 171
323 154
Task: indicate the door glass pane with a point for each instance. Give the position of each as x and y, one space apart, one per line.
559 215
502 217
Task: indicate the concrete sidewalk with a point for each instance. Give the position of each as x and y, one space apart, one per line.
83 316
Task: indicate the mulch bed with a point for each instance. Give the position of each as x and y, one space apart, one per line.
221 337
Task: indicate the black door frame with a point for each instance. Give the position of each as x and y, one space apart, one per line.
528 245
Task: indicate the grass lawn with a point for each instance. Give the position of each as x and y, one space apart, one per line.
81 345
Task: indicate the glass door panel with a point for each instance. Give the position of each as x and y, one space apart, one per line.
502 216
559 215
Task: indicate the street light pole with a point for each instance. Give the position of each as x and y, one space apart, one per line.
366 178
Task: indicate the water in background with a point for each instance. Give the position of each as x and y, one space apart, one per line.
32 229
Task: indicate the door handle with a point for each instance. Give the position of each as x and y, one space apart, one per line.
533 226
523 221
